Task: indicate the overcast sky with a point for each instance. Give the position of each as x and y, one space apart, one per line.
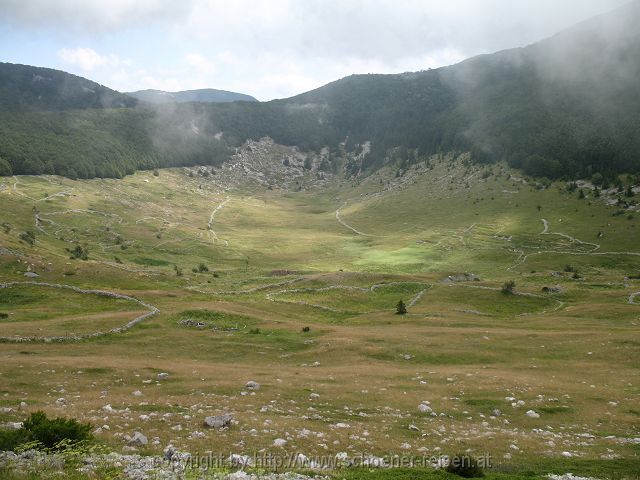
268 48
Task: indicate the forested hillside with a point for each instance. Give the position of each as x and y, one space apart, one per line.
23 87
102 142
568 106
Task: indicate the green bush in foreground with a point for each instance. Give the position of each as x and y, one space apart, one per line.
464 466
10 439
45 431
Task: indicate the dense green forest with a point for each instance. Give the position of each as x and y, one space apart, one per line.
568 106
23 87
100 143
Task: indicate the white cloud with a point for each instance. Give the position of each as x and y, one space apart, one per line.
276 48
87 59
93 16
200 63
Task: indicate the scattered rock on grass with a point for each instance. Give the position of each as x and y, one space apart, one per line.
137 440
218 421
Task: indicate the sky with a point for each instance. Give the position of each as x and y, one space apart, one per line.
269 48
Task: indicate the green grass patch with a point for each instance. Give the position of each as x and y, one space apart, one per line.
214 319
150 262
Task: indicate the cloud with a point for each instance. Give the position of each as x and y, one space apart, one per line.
87 59
274 48
92 16
200 64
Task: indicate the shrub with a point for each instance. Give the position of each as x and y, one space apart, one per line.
508 287
203 268
4 315
570 268
464 466
28 237
47 432
254 331
597 179
156 173
10 439
401 308
79 252
306 329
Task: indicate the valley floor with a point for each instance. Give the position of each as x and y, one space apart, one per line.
543 380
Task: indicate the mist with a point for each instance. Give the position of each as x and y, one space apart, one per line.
270 49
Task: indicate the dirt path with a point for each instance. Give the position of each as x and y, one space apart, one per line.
345 224
15 190
546 227
522 257
212 233
104 293
65 193
568 237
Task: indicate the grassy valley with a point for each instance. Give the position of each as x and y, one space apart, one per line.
296 288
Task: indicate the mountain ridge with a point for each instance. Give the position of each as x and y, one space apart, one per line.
205 95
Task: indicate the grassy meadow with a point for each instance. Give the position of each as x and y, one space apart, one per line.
256 266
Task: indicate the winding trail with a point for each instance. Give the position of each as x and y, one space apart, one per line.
65 193
345 224
66 338
522 256
213 235
546 227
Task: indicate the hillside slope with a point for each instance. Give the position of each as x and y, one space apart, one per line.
568 106
23 87
564 106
